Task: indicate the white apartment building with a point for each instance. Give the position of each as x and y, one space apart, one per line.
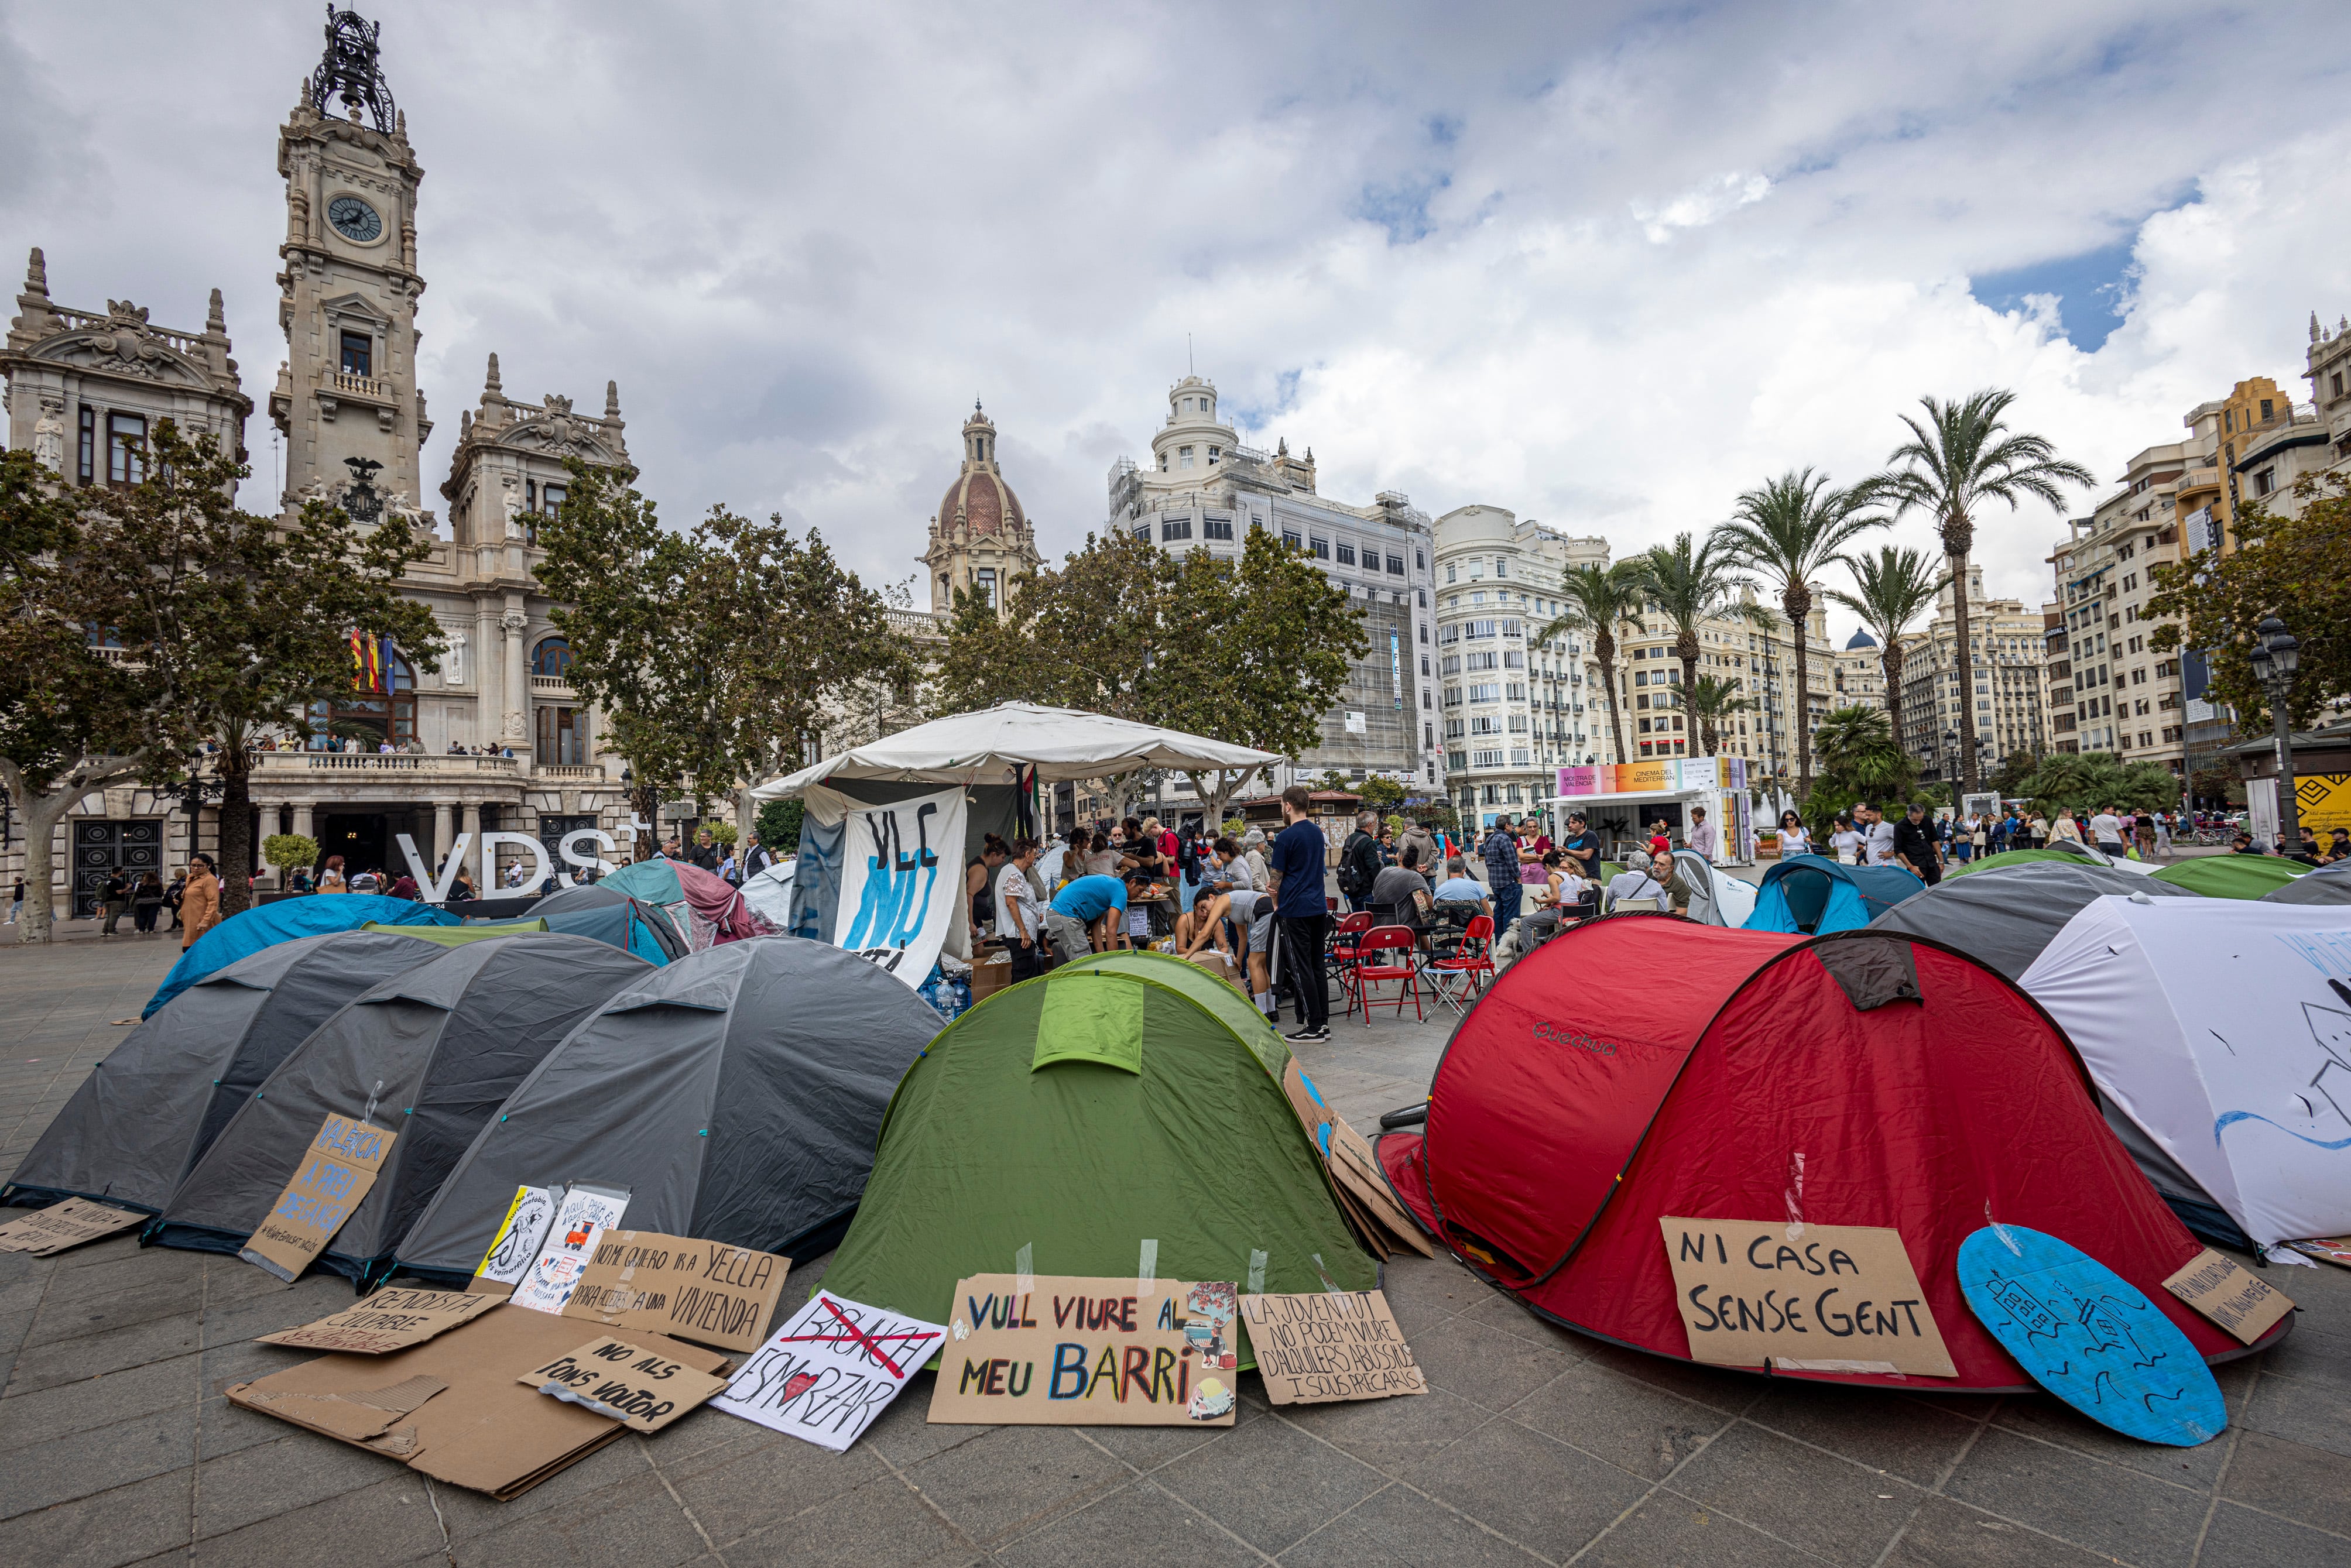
1204 490
2117 693
2003 680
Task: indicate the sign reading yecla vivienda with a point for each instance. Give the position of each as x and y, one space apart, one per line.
1059 1351
701 1290
1817 1298
336 1171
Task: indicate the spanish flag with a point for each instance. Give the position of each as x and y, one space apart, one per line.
367 662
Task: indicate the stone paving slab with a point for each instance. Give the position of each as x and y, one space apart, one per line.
1534 1446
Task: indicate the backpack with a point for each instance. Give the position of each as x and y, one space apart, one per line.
1355 877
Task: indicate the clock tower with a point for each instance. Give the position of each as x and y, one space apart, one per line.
345 399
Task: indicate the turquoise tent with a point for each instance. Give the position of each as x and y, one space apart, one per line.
282 920
1812 894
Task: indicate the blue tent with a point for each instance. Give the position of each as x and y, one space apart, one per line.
1813 894
628 925
242 936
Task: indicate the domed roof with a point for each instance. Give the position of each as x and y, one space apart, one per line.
1861 639
979 494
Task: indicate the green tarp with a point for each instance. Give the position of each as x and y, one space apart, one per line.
458 935
2231 876
1012 1136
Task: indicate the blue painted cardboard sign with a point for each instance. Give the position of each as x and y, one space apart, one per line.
2090 1337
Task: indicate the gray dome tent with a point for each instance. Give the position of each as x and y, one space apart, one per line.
2331 885
429 1054
2005 916
737 1094
137 1124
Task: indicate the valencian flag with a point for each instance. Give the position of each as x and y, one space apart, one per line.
368 659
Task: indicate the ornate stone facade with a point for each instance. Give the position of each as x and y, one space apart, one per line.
980 540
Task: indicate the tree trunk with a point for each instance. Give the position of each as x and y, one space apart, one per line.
645 801
235 831
1958 537
1686 650
1603 648
42 812
1797 601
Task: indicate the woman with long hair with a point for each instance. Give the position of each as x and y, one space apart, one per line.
1794 840
330 879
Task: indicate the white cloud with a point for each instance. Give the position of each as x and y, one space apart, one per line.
1521 257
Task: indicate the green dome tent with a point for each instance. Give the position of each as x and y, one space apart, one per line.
2231 876
2063 852
1129 1103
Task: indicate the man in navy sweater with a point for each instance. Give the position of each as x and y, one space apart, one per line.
1301 913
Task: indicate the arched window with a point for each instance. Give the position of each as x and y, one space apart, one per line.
552 658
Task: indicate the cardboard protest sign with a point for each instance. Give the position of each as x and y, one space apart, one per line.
393 1319
640 1389
828 1373
702 1290
2239 1301
586 1211
520 1235
336 1171
1317 1347
898 897
63 1225
1364 1194
1812 1297
1072 1352
450 1408
2335 1249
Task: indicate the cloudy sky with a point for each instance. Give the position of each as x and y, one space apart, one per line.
1604 266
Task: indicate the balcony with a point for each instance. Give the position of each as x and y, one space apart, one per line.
551 686
336 389
569 771
286 765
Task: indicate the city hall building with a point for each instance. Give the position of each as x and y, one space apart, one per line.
493 741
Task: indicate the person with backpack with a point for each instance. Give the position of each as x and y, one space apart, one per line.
1500 852
1360 861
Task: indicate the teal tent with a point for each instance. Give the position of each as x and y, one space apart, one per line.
1814 896
282 920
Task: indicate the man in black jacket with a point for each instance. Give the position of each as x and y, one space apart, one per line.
1360 859
1913 845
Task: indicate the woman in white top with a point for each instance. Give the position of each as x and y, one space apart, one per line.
1019 923
2063 827
1794 840
1846 842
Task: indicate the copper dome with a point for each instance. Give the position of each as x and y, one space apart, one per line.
979 497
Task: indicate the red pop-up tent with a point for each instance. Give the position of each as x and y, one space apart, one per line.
1641 1066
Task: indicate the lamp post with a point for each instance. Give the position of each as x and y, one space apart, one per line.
2275 659
1951 762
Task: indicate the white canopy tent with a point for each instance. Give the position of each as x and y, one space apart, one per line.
992 746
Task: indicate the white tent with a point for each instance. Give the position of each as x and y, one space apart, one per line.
2222 1029
1715 897
992 746
769 893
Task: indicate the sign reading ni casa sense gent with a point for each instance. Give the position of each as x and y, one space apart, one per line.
1821 1298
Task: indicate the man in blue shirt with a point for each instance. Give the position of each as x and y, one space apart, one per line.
1301 913
1501 850
1070 919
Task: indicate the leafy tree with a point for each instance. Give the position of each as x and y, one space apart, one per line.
1960 458
1860 760
1791 529
779 827
2286 566
1892 592
1711 701
232 627
2087 780
286 851
1597 599
1692 583
711 655
1381 794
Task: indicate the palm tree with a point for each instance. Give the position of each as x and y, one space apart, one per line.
1962 456
1597 599
1894 589
1691 583
1711 701
1792 529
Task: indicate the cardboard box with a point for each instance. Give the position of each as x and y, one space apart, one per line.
991 975
63 1225
452 1407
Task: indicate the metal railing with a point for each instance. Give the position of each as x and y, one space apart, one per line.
280 762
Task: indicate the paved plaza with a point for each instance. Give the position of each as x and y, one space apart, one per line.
1535 1446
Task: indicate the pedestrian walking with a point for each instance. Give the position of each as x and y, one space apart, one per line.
1501 852
2163 835
1794 840
199 901
330 879
1302 914
146 904
1877 834
2143 829
1914 846
17 902
2107 829
114 898
1702 836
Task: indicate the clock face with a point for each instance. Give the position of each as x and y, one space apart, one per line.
354 219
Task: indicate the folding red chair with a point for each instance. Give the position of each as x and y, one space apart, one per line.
1344 936
1456 980
1369 970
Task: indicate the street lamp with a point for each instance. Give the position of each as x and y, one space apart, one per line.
2275 658
1951 763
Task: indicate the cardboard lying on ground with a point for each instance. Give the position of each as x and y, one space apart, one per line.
1354 1169
1066 1352
1316 1347
1817 1298
520 1235
394 1318
63 1225
701 1290
828 1373
336 1171
2237 1299
2335 1249
450 1408
640 1389
588 1209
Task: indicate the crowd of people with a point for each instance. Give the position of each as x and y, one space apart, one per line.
1927 844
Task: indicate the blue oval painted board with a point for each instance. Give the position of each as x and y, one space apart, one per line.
2088 1336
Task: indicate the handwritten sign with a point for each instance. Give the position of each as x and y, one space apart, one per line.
1812 1297
336 1171
393 1319
520 1235
898 895
586 1212
63 1225
1319 1347
638 1388
2239 1301
701 1290
828 1373
1075 1351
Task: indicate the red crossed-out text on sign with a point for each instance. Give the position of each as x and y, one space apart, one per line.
825 1337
